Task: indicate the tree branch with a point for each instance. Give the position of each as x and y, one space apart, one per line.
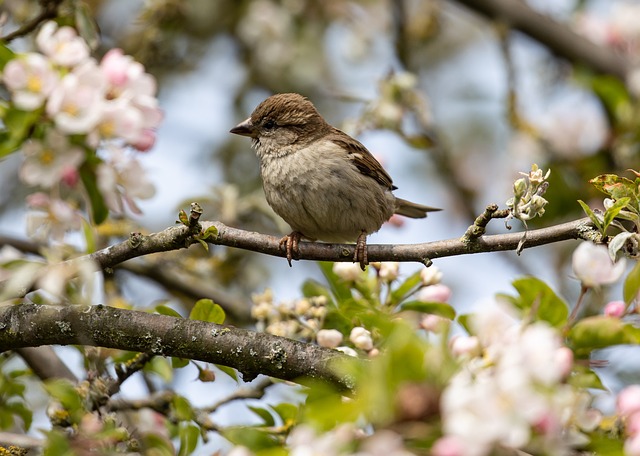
178 237
49 11
249 352
558 38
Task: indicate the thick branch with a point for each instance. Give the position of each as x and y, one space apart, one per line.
176 237
251 353
557 37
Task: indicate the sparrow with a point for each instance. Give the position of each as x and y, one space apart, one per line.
325 184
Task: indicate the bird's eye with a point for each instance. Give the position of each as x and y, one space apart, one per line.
269 124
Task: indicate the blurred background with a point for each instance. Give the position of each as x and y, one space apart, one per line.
453 103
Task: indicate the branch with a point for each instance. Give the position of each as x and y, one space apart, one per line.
49 11
557 37
249 352
178 237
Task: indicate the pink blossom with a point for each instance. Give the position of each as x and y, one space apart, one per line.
632 425
77 103
433 323
49 160
448 446
30 79
593 267
465 346
62 45
628 401
53 218
145 140
615 309
564 361
435 293
632 446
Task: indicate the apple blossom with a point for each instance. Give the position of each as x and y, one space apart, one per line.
430 276
434 293
30 79
593 267
77 103
51 160
615 309
329 338
62 45
628 401
349 272
361 338
52 218
389 270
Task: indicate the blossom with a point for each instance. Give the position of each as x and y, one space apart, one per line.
430 276
121 180
349 272
389 270
49 161
53 217
593 267
361 338
329 338
30 79
77 103
434 293
628 401
615 309
62 45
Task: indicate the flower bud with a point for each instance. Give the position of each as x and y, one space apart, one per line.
329 338
361 338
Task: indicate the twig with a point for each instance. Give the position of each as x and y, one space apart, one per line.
49 11
480 223
255 391
174 238
558 38
124 371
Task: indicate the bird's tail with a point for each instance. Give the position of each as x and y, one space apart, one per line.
413 210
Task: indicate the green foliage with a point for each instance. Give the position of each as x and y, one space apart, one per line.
207 310
632 284
12 402
537 301
99 209
18 125
189 435
69 397
596 332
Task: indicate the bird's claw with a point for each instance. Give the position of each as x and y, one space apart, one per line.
360 255
290 243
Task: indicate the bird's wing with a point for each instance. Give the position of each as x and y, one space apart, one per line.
362 159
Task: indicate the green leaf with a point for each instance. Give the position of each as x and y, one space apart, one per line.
537 300
601 332
616 187
18 127
6 54
340 289
311 288
254 439
179 363
182 408
207 310
406 287
189 435
99 209
211 232
287 412
465 322
612 212
436 308
265 415
21 410
86 25
161 367
594 218
157 445
585 378
166 310
58 444
230 371
632 284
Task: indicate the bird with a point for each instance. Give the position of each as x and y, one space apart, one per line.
325 184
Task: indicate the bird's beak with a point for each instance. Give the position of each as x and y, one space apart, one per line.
244 128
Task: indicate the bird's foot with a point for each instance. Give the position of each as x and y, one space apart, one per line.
360 254
290 243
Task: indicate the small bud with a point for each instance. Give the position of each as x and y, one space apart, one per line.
389 271
361 338
430 276
329 338
519 187
615 309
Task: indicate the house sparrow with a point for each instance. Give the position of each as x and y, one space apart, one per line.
321 181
